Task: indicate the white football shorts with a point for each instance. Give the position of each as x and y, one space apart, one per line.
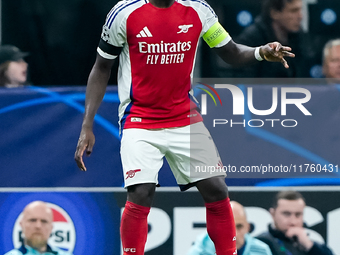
189 150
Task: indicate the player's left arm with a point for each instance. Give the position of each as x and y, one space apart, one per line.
237 54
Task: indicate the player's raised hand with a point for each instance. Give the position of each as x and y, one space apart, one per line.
85 142
275 52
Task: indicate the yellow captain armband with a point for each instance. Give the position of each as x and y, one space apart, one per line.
215 35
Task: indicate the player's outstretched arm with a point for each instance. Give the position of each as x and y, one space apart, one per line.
240 55
95 91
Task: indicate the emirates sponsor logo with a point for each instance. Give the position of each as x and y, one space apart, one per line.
164 53
163 47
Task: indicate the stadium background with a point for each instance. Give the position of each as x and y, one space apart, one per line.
62 35
39 127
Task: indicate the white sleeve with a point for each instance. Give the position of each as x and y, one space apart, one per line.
113 36
209 20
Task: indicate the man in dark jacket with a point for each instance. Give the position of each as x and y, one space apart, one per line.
280 21
287 236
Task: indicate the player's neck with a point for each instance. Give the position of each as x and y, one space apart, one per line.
162 3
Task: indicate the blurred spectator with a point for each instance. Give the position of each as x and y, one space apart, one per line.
13 67
331 61
287 235
37 225
280 20
245 244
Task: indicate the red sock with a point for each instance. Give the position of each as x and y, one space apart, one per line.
134 228
221 227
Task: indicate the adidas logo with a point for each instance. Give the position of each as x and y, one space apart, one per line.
144 33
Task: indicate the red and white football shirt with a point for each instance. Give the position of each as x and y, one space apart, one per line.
158 48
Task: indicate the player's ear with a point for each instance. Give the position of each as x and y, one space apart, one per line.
272 211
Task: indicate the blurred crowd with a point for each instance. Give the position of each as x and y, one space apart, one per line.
286 235
58 58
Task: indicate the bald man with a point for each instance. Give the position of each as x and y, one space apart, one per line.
245 244
37 225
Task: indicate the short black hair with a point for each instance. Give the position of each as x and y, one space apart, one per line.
277 5
288 195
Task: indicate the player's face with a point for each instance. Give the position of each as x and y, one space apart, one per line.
290 17
287 214
331 67
37 226
17 72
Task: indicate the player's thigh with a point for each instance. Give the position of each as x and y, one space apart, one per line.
203 151
141 157
193 154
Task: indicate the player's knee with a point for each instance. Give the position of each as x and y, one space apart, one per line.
219 192
213 189
141 194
